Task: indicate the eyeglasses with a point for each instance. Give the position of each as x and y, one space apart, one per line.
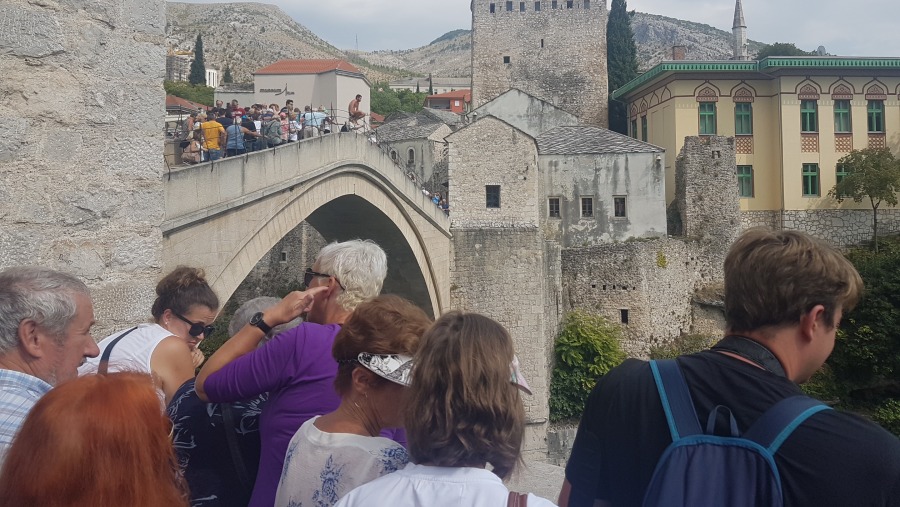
309 274
197 328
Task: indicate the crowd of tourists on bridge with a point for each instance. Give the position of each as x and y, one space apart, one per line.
339 395
228 130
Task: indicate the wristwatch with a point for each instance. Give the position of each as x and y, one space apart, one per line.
257 321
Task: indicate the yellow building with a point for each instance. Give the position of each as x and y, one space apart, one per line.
792 118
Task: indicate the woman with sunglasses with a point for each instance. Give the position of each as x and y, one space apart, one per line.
334 453
183 313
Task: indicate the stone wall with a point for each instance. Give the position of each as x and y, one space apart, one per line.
558 55
81 146
501 272
840 227
654 281
706 189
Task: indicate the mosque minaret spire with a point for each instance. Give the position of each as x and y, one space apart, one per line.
739 33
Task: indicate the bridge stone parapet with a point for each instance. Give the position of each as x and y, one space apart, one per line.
225 215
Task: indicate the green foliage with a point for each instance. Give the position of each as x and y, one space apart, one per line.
874 174
782 49
197 75
684 344
386 101
661 260
226 76
197 93
888 415
587 348
622 64
824 386
866 357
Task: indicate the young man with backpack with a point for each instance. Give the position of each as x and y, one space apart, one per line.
702 430
271 130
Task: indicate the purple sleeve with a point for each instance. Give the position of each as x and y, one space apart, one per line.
266 369
396 434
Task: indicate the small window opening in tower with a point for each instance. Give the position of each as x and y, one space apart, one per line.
542 42
537 6
553 4
283 256
509 6
505 59
521 6
623 315
587 4
570 4
493 8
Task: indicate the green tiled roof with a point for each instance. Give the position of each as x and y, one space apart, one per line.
765 66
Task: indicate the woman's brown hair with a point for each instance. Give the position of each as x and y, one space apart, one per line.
385 325
463 408
95 441
181 289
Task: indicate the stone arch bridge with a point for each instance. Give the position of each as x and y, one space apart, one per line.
225 215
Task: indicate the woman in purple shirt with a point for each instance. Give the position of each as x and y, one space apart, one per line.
295 367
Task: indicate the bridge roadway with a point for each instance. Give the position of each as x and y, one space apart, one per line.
225 215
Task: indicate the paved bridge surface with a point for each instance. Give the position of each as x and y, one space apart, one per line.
225 215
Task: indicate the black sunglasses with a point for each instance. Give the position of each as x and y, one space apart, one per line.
309 274
197 328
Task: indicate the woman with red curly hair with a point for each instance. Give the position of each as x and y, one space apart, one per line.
98 441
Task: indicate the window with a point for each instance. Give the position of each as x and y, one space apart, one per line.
587 4
876 116
619 207
492 196
743 119
553 207
394 155
553 4
707 118
509 5
521 6
411 157
570 4
587 206
745 180
537 6
809 116
505 59
644 128
542 42
283 256
841 172
841 116
623 315
493 8
634 132
810 180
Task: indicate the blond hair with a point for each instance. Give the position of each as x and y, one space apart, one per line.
772 278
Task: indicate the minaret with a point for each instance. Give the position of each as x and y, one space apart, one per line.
739 32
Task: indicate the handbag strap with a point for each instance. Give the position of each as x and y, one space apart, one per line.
517 499
233 448
104 360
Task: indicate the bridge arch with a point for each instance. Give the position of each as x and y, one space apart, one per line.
224 216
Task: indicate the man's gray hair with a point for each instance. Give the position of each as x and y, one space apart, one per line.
40 294
359 265
246 311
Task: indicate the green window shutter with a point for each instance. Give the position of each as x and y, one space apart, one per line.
811 180
876 116
842 116
809 121
745 180
743 118
707 118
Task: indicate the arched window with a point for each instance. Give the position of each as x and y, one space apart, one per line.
394 155
411 157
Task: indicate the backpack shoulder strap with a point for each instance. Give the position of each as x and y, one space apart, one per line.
103 367
777 424
676 399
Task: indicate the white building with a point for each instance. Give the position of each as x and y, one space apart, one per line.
329 83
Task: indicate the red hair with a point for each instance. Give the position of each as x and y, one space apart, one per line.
98 441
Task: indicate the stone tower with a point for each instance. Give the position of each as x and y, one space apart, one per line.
739 33
552 49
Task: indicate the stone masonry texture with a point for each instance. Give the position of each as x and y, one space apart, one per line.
80 166
558 55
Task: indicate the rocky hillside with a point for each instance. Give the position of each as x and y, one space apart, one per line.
254 35
258 34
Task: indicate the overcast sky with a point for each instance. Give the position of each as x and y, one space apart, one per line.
868 28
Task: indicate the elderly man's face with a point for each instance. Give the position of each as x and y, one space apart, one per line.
64 358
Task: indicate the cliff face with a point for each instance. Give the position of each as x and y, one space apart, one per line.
254 35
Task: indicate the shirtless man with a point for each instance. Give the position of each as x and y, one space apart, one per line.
353 109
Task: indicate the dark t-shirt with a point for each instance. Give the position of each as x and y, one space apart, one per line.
832 459
251 126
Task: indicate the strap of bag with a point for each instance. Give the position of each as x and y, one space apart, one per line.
676 399
777 424
103 367
517 499
234 449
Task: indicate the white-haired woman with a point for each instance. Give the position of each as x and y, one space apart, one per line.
295 367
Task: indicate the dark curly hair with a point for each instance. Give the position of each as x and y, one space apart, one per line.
181 289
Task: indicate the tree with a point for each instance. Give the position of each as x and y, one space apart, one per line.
201 94
198 68
871 173
226 76
621 60
781 49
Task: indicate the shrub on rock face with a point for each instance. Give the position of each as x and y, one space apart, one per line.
888 416
587 348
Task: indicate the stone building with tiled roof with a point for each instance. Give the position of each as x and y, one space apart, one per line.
328 83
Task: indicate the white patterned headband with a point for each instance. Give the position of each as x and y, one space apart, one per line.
394 367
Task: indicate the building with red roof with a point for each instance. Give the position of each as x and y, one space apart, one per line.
458 101
328 83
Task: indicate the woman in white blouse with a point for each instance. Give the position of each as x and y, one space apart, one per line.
334 453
